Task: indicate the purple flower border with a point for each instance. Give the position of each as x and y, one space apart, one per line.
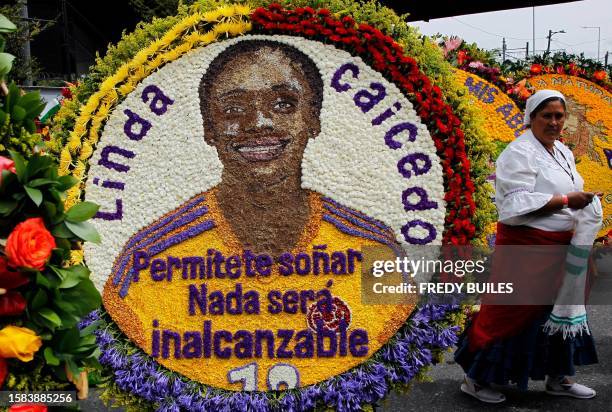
397 362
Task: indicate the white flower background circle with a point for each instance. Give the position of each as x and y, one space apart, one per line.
349 161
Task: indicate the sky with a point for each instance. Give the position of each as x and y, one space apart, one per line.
488 29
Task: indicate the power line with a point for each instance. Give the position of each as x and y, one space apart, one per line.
578 44
493 34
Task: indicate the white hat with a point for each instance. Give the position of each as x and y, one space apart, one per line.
534 101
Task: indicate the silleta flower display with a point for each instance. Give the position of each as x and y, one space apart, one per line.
504 118
239 185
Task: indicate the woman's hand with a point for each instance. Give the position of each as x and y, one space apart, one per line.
579 200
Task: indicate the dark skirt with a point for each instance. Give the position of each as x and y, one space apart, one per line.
532 354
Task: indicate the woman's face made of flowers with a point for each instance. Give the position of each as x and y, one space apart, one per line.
261 116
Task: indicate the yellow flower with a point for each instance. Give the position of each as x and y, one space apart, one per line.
72 196
126 88
227 11
76 257
211 15
20 343
79 170
241 9
498 124
64 163
74 142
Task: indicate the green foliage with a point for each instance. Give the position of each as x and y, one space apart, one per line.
114 397
6 59
59 295
18 113
23 377
568 61
21 110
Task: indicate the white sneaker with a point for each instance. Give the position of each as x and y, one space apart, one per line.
482 393
563 387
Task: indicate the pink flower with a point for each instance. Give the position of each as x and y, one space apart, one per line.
6 164
451 44
476 65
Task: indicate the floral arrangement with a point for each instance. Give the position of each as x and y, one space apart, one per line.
513 77
570 64
77 131
42 295
505 120
331 166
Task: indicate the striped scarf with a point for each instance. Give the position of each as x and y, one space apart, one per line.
568 317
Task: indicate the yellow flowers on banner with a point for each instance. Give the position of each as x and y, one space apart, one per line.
587 132
193 31
504 120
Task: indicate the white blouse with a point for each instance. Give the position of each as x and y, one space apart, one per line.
527 177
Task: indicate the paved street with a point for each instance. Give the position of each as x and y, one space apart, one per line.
443 393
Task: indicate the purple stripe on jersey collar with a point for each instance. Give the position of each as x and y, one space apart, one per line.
182 220
355 232
356 213
165 244
353 219
190 204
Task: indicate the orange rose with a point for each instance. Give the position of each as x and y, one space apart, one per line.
29 245
536 69
600 75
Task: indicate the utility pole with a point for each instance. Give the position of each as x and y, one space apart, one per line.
550 34
533 29
27 54
606 60
527 50
503 49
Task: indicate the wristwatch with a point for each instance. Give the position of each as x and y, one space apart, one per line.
565 201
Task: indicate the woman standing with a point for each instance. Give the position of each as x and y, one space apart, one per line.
538 195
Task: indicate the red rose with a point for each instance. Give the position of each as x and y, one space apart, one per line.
30 244
535 69
12 304
9 279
